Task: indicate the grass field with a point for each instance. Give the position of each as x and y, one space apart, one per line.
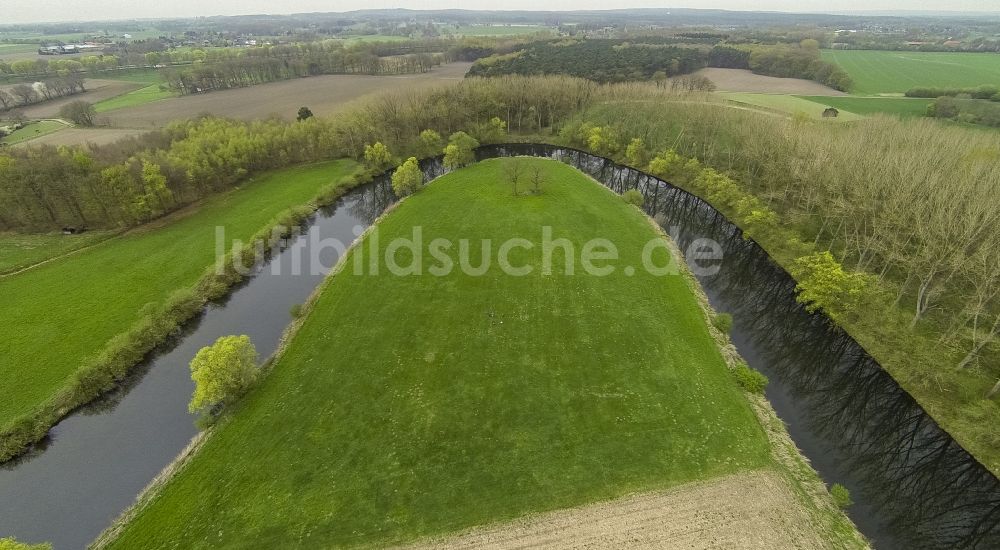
494 30
33 130
130 99
61 313
419 405
786 104
902 106
18 250
879 72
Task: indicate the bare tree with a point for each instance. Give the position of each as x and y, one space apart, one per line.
26 94
514 169
537 176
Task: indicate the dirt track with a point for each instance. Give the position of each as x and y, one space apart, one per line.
755 510
739 80
324 95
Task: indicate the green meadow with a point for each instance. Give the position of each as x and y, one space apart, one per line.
888 72
409 406
63 312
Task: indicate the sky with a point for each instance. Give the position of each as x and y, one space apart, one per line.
31 11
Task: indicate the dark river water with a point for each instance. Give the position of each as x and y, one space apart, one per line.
913 485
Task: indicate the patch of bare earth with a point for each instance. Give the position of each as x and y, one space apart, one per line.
740 80
755 510
324 95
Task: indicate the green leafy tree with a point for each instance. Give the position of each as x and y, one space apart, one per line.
824 284
430 142
666 164
303 114
222 372
636 153
408 178
841 496
158 195
495 130
377 157
460 150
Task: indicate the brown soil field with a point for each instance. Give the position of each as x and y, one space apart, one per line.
755 510
97 90
324 95
82 136
740 80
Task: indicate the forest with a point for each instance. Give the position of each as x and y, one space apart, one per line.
21 95
595 59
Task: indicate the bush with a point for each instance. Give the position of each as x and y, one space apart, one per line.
222 372
749 379
295 311
408 178
841 496
78 112
10 543
723 322
634 197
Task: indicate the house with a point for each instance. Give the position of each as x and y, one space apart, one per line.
830 112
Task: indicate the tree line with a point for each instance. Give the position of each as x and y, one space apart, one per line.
21 95
801 61
969 111
139 179
599 60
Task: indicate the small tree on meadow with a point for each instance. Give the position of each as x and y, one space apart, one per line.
303 114
222 373
537 177
460 151
408 178
514 169
377 157
430 142
633 197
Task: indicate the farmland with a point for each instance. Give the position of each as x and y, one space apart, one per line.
888 72
787 104
33 130
120 276
546 396
19 250
901 106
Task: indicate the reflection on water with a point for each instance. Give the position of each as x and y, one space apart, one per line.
915 487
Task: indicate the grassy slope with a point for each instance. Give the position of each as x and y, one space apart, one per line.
18 251
788 104
876 72
33 130
141 96
61 313
408 406
901 106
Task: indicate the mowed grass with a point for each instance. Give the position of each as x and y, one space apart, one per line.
785 104
33 130
18 251
141 96
878 72
408 406
900 106
61 313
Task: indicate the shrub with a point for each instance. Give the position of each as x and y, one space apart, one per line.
460 151
749 379
723 322
9 543
633 197
295 311
841 496
824 284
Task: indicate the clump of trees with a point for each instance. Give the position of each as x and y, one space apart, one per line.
599 60
986 91
970 111
222 373
460 151
81 113
803 61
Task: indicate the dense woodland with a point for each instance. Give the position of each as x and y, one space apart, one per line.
597 60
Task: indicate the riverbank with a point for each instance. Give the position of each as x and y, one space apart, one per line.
142 291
